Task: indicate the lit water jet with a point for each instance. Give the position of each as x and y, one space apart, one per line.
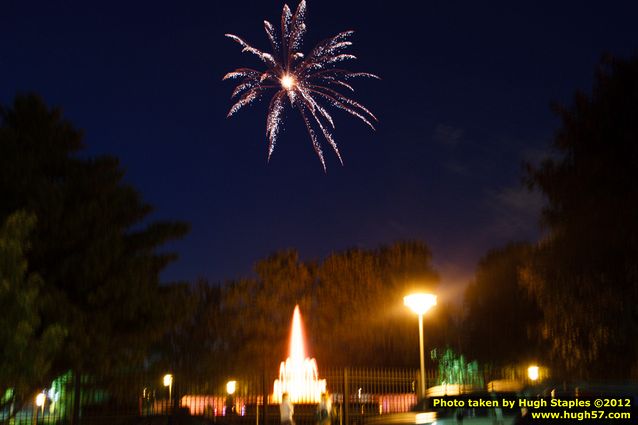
298 375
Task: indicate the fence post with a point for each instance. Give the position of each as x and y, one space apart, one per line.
77 397
346 397
263 398
264 395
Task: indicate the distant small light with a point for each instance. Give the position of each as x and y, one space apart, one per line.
532 372
168 380
40 399
231 387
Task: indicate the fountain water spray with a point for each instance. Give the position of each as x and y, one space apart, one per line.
298 375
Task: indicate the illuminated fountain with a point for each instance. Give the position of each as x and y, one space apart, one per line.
298 375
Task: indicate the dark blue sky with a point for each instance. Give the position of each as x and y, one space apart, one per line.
464 99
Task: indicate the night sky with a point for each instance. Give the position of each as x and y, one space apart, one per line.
464 99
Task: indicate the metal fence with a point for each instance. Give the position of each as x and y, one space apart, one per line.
139 398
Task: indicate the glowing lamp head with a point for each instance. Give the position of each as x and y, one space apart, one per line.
231 387
287 82
420 303
40 399
168 380
532 373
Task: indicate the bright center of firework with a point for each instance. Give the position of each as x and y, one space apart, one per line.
287 82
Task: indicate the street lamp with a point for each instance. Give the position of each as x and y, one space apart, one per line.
532 373
420 303
168 382
231 386
40 399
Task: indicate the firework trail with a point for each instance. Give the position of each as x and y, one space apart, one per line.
305 81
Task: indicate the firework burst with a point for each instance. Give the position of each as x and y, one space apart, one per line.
305 81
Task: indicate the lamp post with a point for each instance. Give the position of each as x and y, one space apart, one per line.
420 303
40 399
231 387
168 382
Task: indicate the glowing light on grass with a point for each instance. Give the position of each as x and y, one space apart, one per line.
298 375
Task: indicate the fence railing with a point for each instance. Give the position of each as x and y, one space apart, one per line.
134 398
137 398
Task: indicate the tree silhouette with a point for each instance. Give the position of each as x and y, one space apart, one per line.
585 272
501 318
28 344
92 243
359 305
